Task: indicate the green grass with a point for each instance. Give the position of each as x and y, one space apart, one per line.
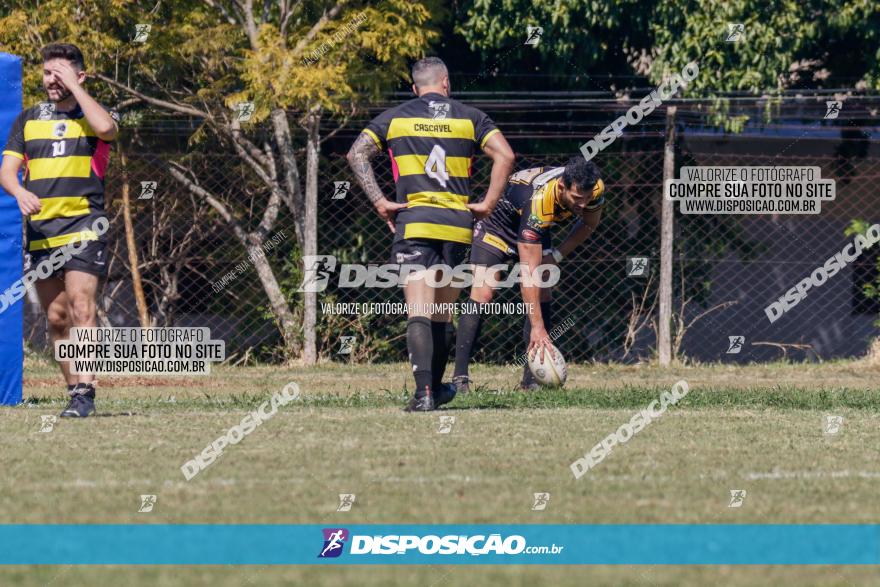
756 427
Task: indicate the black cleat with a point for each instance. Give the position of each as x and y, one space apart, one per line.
462 384
82 402
445 394
420 404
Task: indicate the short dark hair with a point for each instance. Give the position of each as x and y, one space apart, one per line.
424 71
580 172
64 51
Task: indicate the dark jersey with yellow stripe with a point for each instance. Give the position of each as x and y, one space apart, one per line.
529 209
64 164
431 141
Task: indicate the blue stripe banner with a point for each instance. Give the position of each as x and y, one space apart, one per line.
11 309
214 544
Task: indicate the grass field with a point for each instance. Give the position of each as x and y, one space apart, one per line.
758 428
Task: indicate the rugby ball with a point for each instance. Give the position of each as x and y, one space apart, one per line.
550 371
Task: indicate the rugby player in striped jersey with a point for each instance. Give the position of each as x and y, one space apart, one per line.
519 230
431 141
64 147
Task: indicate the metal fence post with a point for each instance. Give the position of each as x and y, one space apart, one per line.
664 338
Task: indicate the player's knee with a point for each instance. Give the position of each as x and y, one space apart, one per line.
482 295
82 309
57 318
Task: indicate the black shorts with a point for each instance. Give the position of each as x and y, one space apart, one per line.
427 252
491 248
91 258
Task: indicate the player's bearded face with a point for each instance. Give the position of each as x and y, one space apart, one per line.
55 90
573 199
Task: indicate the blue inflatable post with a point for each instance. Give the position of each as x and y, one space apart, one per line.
12 315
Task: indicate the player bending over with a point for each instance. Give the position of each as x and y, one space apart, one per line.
519 230
431 141
64 146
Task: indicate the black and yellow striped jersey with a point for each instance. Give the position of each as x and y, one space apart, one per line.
431 141
64 164
530 207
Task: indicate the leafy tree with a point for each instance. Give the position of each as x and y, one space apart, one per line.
784 44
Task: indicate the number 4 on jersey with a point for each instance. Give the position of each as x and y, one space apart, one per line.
435 166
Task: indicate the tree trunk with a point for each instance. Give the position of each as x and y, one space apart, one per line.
252 245
286 321
664 334
130 242
310 233
290 170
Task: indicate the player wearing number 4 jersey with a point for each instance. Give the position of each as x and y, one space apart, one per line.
431 141
63 147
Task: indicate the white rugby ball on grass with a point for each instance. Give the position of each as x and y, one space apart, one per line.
550 371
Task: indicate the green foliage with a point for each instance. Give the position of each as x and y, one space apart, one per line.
585 32
194 56
871 289
786 44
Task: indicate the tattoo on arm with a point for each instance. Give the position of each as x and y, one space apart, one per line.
359 156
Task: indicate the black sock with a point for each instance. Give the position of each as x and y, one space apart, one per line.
441 335
420 344
468 332
547 319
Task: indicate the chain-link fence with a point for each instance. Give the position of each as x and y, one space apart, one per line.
727 269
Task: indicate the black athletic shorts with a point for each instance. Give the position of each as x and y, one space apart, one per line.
91 258
427 252
491 248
